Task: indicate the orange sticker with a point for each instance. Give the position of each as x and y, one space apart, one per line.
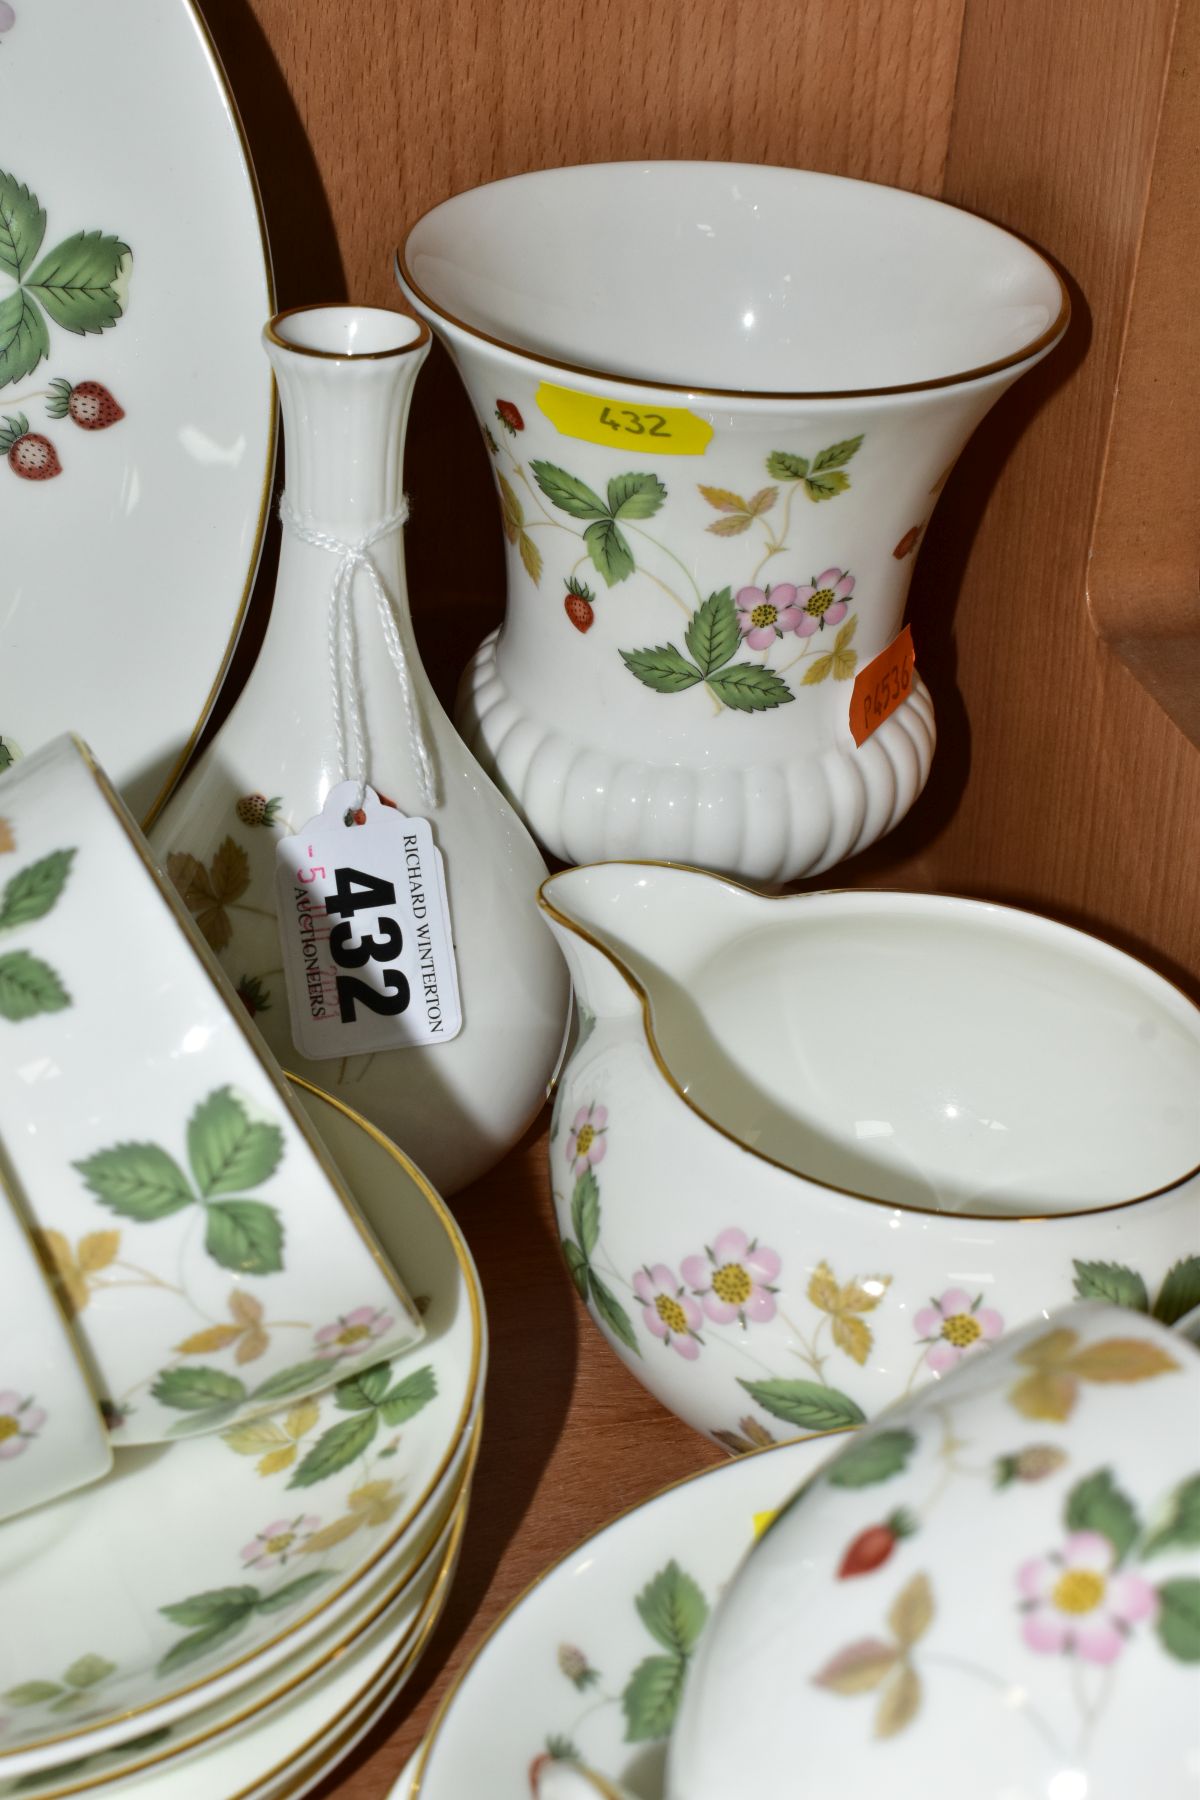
882 685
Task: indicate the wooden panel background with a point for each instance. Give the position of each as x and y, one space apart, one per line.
1059 781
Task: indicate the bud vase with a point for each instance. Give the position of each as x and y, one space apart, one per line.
721 401
345 376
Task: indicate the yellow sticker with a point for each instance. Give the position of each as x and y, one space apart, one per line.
763 1522
664 431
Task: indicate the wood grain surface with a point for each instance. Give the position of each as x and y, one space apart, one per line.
1059 781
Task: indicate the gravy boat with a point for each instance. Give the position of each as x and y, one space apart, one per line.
812 1151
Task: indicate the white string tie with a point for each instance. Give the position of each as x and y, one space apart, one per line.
345 683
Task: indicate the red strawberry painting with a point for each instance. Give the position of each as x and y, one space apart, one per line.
579 605
509 417
30 455
88 403
872 1547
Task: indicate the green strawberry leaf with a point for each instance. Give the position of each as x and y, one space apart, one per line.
825 486
409 1397
561 1749
585 1211
805 1404
190 1390
567 492
1097 1504
229 1151
199 1643
74 281
1178 1623
612 1313
748 687
29 986
609 550
24 339
673 1609
837 455
244 1235
785 467
1111 1281
1181 1526
215 1607
359 1392
31 893
635 496
1180 1291
651 1698
22 226
336 1448
292 1380
873 1459
138 1181
210 1419
577 1266
86 1671
31 1693
665 669
292 1591
713 635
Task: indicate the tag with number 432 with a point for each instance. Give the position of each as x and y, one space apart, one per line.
365 931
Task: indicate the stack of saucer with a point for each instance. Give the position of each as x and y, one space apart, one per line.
226 1614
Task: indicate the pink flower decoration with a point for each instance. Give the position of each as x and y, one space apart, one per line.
669 1312
954 1326
20 1422
278 1541
764 614
352 1332
825 601
587 1140
1073 1603
734 1278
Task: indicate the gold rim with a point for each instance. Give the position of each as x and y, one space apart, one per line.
830 1187
271 333
264 505
469 1416
1042 342
439 1717
13 1192
449 1527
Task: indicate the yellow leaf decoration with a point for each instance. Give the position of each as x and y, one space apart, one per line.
301 1419
275 1460
724 499
844 1303
213 1337
859 1667
207 892
899 1702
71 1270
97 1250
7 840
512 513
255 1436
374 1503
255 1342
245 1308
274 1443
531 556
1052 1390
817 671
329 1535
912 1611
740 514
732 526
845 660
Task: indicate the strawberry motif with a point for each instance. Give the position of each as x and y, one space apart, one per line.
90 405
30 455
509 417
908 542
579 605
253 995
872 1547
256 809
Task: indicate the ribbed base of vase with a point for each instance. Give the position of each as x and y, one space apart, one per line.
763 822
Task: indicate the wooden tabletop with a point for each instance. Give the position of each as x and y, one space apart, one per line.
570 1440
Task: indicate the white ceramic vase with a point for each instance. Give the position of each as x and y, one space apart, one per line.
721 401
345 377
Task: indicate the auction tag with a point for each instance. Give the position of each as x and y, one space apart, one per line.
365 931
667 431
880 687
